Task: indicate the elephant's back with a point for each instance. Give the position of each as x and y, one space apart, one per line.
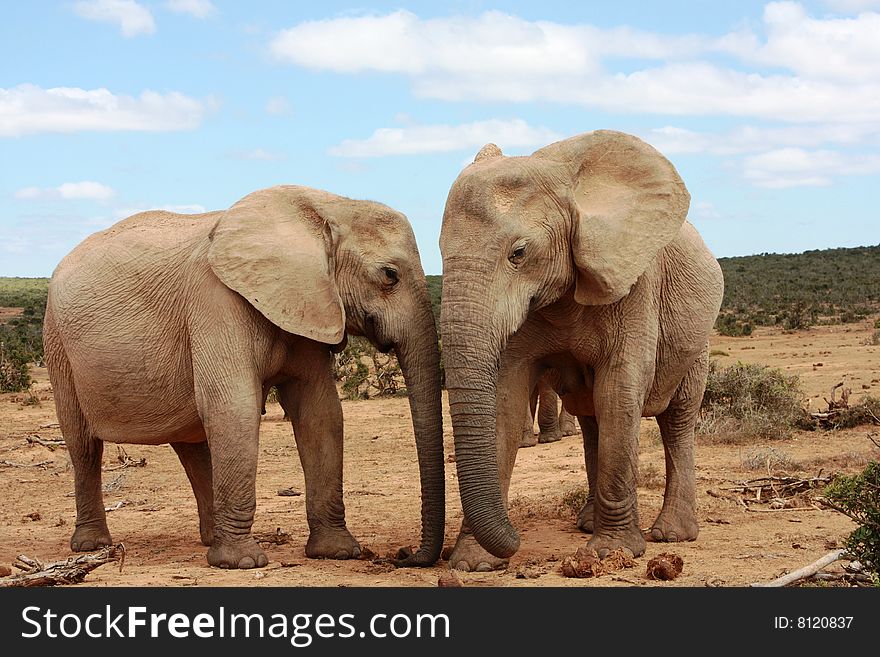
136 253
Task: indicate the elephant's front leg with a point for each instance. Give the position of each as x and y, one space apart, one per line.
615 512
513 396
316 414
232 424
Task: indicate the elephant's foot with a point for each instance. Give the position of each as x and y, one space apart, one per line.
468 555
672 527
236 553
90 536
332 543
568 428
585 517
606 542
528 439
550 436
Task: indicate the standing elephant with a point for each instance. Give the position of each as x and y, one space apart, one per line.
554 423
576 258
169 328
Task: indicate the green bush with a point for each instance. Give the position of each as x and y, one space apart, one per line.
858 496
366 372
14 376
746 401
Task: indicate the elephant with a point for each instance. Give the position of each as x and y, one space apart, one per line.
577 258
171 328
553 423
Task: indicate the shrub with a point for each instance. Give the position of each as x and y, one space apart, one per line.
858 496
746 401
366 372
14 376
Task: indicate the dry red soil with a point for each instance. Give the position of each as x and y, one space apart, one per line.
157 522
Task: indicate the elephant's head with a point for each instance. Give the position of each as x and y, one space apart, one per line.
321 266
585 215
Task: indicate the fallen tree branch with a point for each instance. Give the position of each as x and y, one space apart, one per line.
48 443
10 464
69 571
806 571
125 461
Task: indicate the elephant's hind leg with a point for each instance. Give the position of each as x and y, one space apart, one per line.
196 461
678 518
85 450
590 431
548 414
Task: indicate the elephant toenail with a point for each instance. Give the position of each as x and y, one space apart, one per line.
262 560
356 552
246 562
463 565
483 567
341 554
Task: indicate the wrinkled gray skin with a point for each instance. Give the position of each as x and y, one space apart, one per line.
577 258
554 423
170 328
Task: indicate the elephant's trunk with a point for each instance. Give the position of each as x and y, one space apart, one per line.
419 357
470 354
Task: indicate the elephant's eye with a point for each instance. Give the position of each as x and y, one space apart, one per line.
391 275
517 255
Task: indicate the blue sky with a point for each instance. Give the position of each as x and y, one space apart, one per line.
770 111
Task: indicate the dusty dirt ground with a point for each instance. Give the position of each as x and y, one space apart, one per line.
157 522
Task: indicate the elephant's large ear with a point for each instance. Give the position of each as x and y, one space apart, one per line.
629 203
274 247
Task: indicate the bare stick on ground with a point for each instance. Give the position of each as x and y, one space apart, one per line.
69 571
806 571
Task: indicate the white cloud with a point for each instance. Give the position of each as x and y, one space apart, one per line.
829 49
258 155
796 167
132 18
755 139
85 190
494 42
27 109
852 6
195 8
823 70
412 139
278 106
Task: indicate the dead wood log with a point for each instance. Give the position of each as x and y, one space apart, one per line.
69 571
806 571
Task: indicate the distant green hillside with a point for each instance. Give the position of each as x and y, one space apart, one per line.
23 292
794 291
799 290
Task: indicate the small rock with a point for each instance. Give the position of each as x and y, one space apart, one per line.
450 458
665 566
5 571
32 516
289 492
366 554
449 579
